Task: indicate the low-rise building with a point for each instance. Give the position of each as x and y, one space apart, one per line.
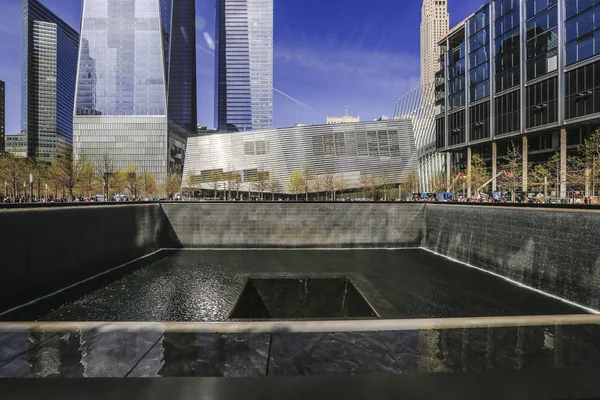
346 119
348 152
16 145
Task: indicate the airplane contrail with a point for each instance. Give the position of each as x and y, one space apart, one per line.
294 100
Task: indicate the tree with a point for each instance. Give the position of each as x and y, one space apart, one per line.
296 183
118 181
148 185
38 171
67 172
369 184
538 176
329 185
437 183
589 155
190 184
105 169
172 185
365 182
512 165
317 184
273 186
214 179
479 174
89 182
131 180
234 182
13 172
306 178
410 182
339 185
260 182
387 182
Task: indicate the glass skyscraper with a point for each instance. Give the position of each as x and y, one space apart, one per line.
48 74
2 120
244 62
136 86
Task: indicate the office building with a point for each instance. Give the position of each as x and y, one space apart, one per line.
434 26
346 119
136 85
346 151
48 72
244 65
16 145
525 72
2 116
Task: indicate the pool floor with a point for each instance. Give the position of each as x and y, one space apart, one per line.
204 285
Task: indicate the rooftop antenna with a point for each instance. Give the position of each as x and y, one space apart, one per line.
346 111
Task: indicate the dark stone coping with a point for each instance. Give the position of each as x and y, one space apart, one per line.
574 383
17 206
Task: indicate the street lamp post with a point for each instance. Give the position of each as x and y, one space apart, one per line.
24 192
46 192
31 188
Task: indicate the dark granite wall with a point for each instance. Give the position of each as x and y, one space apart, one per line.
296 224
554 250
43 250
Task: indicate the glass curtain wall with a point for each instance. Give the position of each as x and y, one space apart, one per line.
542 37
48 74
244 65
507 45
136 92
479 67
582 30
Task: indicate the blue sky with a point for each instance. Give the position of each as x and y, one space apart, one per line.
328 54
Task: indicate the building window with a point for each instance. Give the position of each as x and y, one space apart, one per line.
582 90
542 38
582 31
542 105
440 133
507 57
508 114
456 125
479 121
456 72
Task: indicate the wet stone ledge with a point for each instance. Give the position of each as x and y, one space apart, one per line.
154 354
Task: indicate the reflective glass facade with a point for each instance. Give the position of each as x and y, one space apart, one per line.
136 88
2 117
48 75
545 64
244 62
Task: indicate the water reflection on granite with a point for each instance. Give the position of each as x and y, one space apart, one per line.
87 354
342 353
152 354
206 355
13 344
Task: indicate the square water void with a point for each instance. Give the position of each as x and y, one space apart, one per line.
301 298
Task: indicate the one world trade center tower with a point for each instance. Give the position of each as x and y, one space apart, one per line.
135 99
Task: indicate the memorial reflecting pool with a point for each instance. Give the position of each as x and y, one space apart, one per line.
207 285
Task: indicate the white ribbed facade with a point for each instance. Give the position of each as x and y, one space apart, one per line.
435 23
381 148
422 114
